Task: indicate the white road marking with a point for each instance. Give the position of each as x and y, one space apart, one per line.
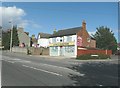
23 61
16 59
9 61
81 74
43 70
55 66
100 85
63 68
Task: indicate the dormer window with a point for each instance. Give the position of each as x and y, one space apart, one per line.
61 39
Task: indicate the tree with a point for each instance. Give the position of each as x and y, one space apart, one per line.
105 39
15 39
54 31
6 40
6 35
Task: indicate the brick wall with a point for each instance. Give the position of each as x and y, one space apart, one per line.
93 43
85 35
81 52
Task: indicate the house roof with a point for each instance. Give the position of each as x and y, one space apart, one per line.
66 32
34 40
27 33
44 35
92 38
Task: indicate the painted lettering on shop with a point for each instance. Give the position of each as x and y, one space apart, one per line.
62 44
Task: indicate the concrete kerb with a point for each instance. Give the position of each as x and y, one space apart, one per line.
69 58
51 57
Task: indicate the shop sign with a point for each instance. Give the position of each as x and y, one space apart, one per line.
79 41
62 44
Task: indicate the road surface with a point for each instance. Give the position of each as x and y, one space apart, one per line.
24 70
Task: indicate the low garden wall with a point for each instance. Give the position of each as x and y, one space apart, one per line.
31 50
38 51
86 51
19 50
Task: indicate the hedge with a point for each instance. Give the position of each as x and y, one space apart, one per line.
88 56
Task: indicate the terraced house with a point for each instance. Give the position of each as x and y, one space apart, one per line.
43 39
67 42
23 37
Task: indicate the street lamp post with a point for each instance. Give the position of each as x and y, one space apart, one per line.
0 37
11 36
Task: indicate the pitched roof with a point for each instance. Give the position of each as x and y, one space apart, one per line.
66 32
44 35
92 38
34 40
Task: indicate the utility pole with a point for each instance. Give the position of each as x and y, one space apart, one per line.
0 37
11 36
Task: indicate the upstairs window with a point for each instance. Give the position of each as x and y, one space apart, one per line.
69 38
53 40
61 39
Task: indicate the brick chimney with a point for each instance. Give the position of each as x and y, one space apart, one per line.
84 25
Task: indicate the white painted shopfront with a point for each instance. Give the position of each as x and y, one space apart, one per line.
63 46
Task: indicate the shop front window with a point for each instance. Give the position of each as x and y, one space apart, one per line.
69 49
54 49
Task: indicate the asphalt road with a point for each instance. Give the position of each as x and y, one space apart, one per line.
23 70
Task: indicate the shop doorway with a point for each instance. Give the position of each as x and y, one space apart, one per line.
61 51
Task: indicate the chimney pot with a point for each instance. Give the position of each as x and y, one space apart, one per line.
84 25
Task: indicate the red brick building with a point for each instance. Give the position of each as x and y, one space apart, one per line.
87 40
72 41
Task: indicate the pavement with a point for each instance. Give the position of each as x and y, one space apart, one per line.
29 70
113 57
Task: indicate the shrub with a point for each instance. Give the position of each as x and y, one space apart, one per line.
88 56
